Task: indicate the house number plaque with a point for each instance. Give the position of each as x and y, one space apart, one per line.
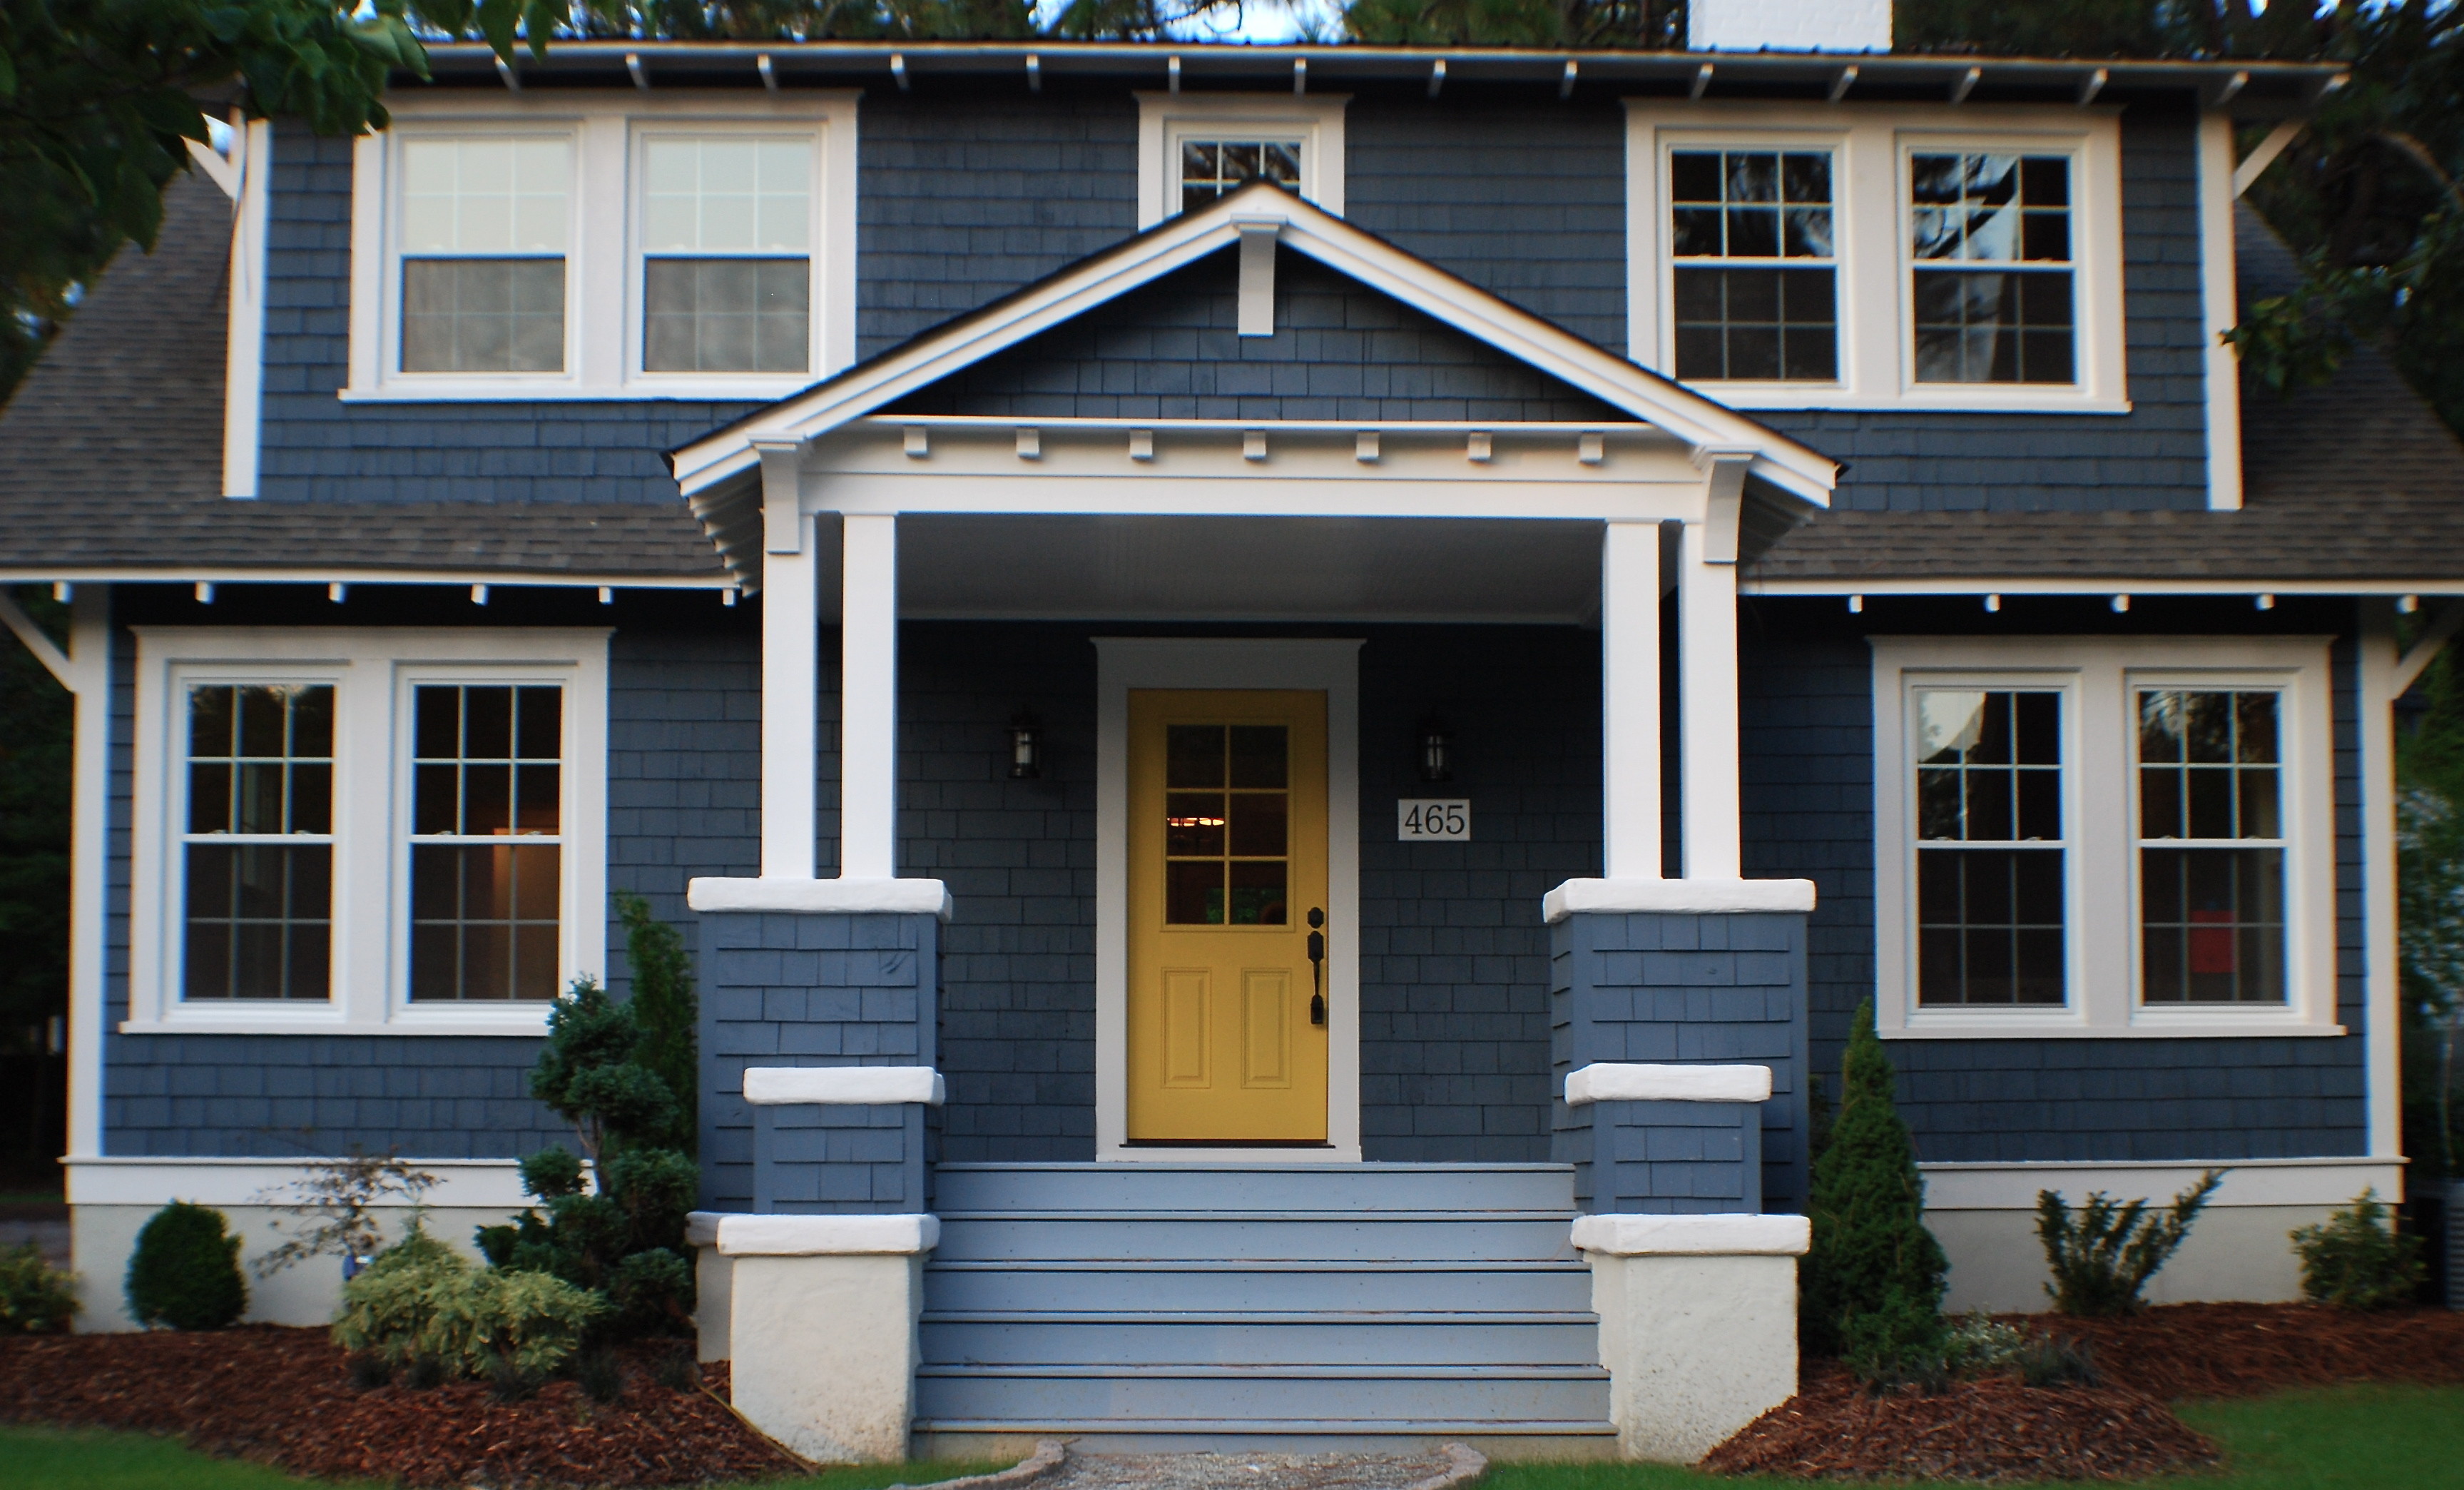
1426 821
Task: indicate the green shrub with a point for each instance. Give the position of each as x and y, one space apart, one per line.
35 1297
423 1309
1980 1343
2356 1260
1900 1342
2104 1253
1871 1253
185 1272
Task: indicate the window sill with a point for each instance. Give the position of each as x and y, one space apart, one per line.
2165 1026
560 390
527 1022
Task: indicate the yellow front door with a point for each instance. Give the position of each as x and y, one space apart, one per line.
1227 866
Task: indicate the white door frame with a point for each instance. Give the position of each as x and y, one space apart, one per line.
1332 665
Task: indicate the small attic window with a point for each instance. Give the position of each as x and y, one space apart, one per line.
1210 168
1193 148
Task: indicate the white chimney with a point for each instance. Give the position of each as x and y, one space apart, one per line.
1788 25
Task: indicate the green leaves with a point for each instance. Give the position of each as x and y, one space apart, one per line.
2103 1253
1874 1277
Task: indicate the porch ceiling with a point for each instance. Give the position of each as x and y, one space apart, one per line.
1215 568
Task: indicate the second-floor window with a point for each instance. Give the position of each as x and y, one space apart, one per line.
484 228
726 267
1754 289
1989 236
1210 168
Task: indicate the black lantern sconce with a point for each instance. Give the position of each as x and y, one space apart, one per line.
1436 751
1025 747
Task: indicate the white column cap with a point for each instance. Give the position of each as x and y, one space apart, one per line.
1621 1082
825 1235
842 1086
847 896
1694 1235
1675 897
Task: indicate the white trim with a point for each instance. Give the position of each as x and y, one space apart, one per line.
1675 897
813 897
1630 763
602 299
89 862
244 348
868 699
372 670
1627 1082
2219 310
2382 955
96 1180
2247 1182
503 579
37 641
1166 119
1710 789
1869 142
842 1086
825 1235
1624 1235
1126 662
727 453
791 683
2095 676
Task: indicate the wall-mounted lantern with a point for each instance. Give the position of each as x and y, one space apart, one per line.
1436 751
1025 747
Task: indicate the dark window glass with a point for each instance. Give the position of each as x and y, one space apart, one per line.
1761 319
726 315
1973 219
258 903
1226 852
2211 916
1989 856
1210 168
485 914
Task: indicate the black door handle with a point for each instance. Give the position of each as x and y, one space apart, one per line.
1317 966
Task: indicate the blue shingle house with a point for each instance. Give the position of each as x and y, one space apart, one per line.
1262 675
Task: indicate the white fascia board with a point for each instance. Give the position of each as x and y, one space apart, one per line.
1988 585
1636 1082
93 1180
2332 1181
1306 229
1675 897
211 575
842 1086
1694 1235
825 1235
811 897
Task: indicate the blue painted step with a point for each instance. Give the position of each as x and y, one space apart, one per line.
1353 1394
1070 1285
1259 1338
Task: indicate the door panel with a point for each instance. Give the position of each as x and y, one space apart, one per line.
1227 859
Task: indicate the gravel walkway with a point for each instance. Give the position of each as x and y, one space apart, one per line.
1243 1471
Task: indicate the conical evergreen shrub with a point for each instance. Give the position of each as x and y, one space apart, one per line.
1874 1274
185 1272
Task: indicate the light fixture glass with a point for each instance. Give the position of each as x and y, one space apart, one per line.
1436 751
1026 748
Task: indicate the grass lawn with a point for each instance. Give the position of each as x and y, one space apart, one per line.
2384 1437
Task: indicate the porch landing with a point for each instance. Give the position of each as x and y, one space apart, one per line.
1144 1307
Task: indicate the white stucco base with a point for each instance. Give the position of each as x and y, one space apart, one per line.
823 1319
310 1292
1698 1325
713 1302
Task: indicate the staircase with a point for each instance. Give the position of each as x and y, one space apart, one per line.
1148 1306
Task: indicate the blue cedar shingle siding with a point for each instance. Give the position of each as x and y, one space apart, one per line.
1169 350
1526 203
2153 456
683 793
1807 718
961 201
317 448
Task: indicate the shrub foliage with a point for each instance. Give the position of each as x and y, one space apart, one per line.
1874 1277
2356 1259
422 1304
185 1273
2102 1255
35 1297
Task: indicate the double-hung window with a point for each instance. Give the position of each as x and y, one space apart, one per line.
1992 296
2102 836
484 225
727 253
366 828
1755 282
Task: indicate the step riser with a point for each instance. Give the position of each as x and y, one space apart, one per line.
1500 1441
965 1239
1131 1187
1282 1291
1131 1344
1147 1398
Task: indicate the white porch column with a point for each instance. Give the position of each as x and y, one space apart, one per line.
1708 669
791 665
869 700
1630 699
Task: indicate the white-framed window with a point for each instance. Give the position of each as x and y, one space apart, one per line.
2103 835
1195 147
603 246
371 828
1966 266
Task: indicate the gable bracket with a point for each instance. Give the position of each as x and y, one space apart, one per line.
1724 468
1258 237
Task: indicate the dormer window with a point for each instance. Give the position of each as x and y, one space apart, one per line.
484 226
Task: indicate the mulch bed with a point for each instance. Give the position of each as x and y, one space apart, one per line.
1997 1430
285 1397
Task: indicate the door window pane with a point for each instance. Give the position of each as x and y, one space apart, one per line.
2212 846
1990 849
487 856
1770 312
258 859
1228 844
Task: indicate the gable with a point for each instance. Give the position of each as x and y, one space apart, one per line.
1341 350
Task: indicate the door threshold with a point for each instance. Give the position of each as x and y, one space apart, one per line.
1224 1142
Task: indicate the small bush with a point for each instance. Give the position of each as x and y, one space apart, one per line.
1899 1344
185 1273
599 1375
368 1370
2356 1260
510 1381
2102 1255
2050 1361
679 1372
1981 1343
1871 1251
35 1297
422 1373
422 1301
